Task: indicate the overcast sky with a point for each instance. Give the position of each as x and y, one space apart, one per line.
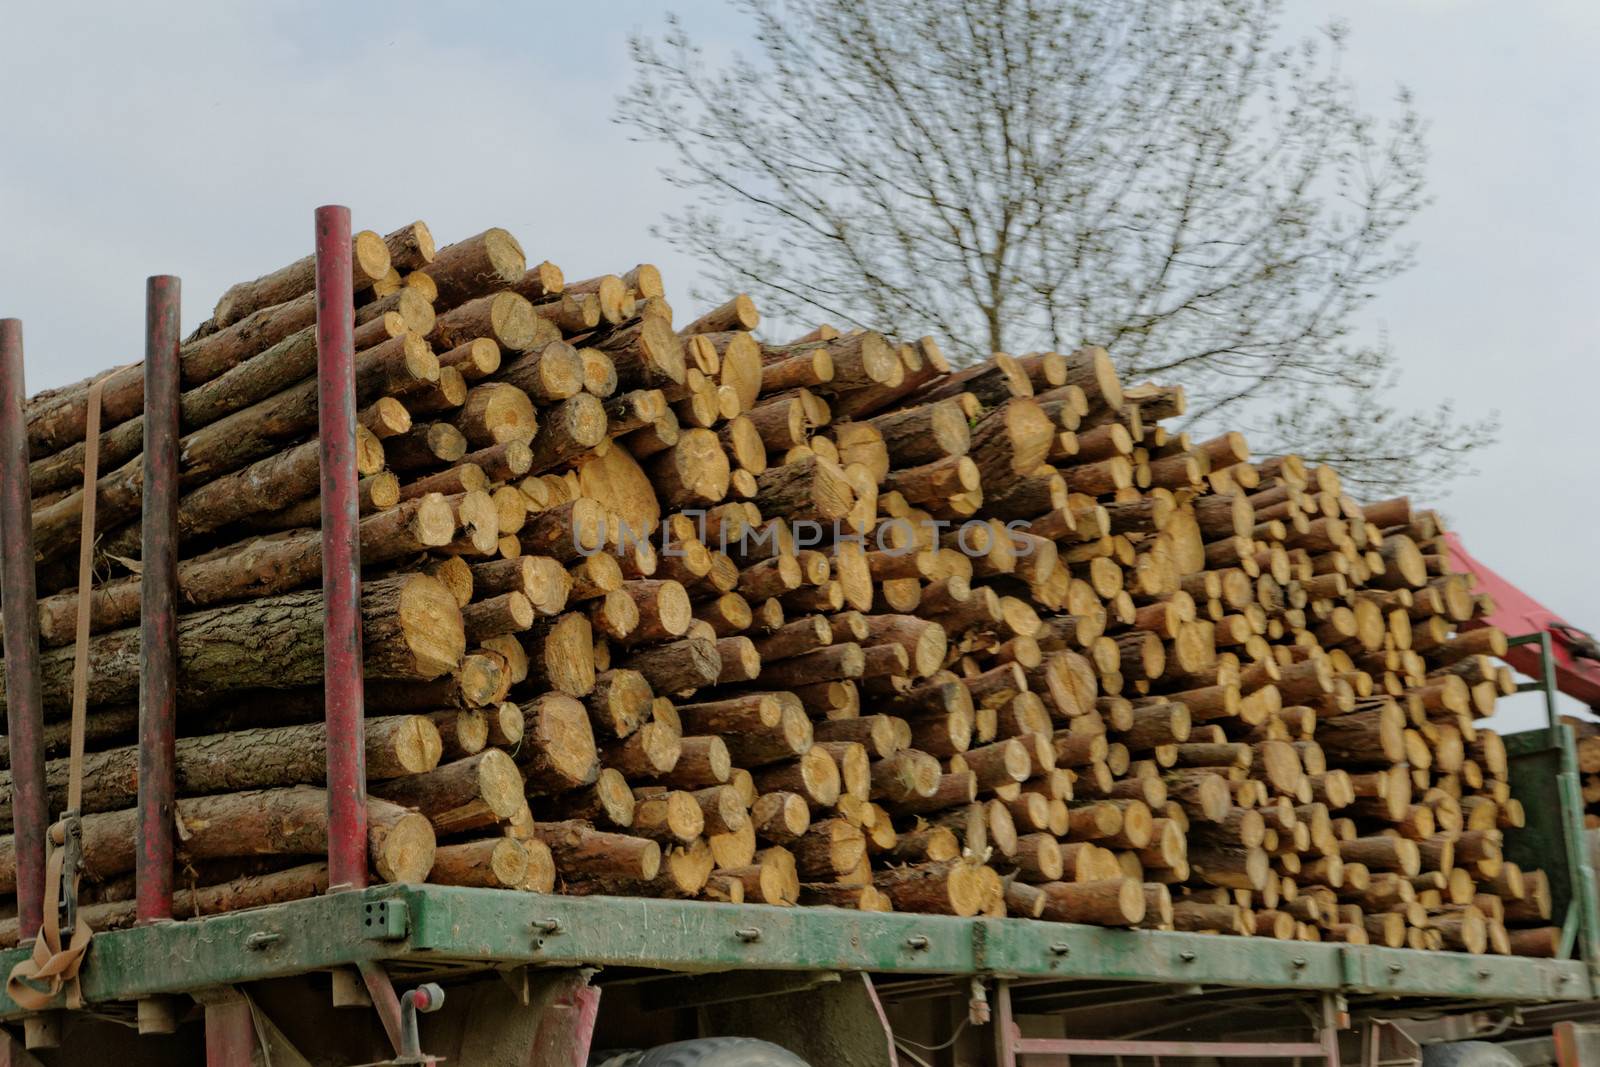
195 138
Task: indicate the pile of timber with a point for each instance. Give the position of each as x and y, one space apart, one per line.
1587 733
668 609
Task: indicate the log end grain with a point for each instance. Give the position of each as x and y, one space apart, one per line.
405 853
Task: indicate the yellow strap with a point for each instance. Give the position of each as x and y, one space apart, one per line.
36 982
80 659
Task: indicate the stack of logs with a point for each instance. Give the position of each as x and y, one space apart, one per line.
1587 732
663 608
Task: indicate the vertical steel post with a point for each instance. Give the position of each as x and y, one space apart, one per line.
1334 1019
230 1033
13 1053
341 553
24 709
1547 678
1005 1026
158 607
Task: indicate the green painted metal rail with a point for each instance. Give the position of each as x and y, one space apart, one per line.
443 927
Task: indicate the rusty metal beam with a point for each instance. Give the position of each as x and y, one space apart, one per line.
230 1033
341 553
13 1054
158 602
24 709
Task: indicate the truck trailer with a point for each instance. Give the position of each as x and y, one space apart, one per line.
413 972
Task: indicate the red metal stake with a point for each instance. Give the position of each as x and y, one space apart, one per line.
230 1034
24 709
158 594
566 1029
341 554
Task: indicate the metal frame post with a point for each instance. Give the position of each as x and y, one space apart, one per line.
230 1032
158 607
1334 1016
1005 1027
14 1054
1547 677
24 708
341 553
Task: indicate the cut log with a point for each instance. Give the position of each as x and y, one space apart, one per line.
568 431
780 817
609 803
396 746
582 852
561 654
369 260
491 260
465 795
1107 902
619 703
679 666
259 568
411 630
238 894
266 822
495 862
948 888
558 749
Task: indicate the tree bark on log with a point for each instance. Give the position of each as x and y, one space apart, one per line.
485 262
221 447
608 804
262 567
465 795
411 630
558 750
370 261
948 888
679 666
244 759
263 822
582 852
249 891
493 862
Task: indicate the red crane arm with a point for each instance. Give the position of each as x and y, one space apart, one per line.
1515 612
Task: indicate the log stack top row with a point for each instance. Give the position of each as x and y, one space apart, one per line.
660 604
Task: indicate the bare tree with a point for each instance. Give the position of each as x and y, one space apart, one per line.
1157 176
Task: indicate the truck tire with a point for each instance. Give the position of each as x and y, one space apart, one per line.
1468 1054
719 1052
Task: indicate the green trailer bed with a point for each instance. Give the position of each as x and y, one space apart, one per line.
427 930
771 959
433 931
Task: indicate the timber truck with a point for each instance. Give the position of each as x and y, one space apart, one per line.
442 974
427 974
